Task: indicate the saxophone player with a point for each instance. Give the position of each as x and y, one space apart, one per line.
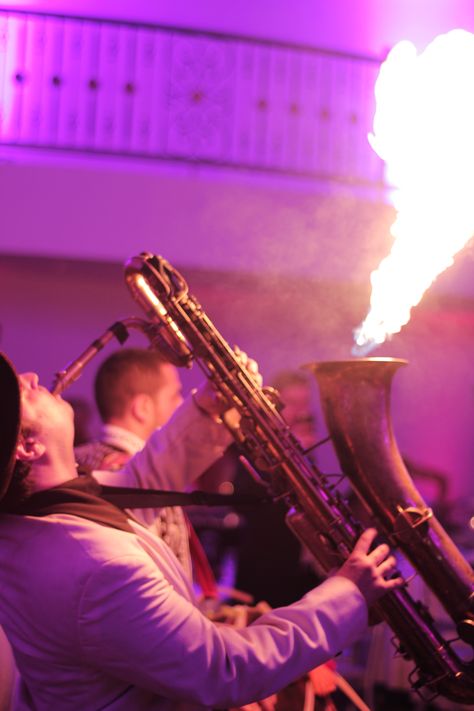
98 610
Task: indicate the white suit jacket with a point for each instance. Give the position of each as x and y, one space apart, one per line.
100 618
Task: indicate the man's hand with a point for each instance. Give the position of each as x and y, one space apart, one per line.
212 402
369 570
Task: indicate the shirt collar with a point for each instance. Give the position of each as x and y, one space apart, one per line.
121 439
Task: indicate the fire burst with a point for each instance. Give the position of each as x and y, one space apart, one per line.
424 131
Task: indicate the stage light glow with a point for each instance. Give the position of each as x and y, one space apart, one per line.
423 130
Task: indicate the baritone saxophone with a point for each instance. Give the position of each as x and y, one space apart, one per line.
355 397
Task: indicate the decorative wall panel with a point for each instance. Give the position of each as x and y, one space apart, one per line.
106 87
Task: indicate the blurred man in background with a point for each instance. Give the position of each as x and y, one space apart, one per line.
271 564
137 391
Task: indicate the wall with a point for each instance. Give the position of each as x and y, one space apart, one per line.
105 210
238 224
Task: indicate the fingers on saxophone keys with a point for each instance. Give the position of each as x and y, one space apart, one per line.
379 553
387 567
249 364
380 560
388 574
252 367
393 583
365 540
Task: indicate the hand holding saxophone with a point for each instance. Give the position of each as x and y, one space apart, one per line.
369 569
209 400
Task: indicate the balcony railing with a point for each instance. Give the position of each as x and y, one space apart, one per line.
150 92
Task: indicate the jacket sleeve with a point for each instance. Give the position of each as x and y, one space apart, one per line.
175 455
135 626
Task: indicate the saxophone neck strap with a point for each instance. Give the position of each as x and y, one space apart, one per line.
128 497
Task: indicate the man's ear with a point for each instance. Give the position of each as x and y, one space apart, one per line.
29 449
140 407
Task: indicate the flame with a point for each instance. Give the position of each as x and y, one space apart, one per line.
424 131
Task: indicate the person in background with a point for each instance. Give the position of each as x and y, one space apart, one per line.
100 614
271 565
136 391
296 394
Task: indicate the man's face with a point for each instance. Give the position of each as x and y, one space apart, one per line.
298 412
168 397
43 413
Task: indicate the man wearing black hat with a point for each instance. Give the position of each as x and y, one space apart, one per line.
98 610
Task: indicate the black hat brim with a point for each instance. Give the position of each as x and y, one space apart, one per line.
9 421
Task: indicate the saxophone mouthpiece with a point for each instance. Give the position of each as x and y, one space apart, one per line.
73 370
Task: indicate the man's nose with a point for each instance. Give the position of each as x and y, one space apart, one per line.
30 379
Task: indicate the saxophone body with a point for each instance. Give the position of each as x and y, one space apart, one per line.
355 396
